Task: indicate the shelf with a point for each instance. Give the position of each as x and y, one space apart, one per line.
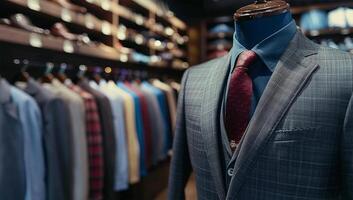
153 7
129 15
103 28
221 20
321 6
21 37
219 47
330 32
88 21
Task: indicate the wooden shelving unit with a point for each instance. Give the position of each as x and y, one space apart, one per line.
330 32
219 35
102 26
321 6
208 45
336 35
21 37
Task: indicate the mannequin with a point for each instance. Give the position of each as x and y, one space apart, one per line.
257 21
244 29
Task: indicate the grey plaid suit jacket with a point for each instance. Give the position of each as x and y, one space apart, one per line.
299 142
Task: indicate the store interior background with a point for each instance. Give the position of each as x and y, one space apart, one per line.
143 38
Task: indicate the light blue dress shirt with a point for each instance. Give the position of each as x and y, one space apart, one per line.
121 161
269 52
31 122
12 167
139 127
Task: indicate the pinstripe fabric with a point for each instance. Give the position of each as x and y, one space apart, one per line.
299 143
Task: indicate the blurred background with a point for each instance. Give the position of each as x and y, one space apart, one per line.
152 41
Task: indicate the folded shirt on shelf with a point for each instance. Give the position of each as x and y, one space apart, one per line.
21 21
314 20
68 5
340 18
221 28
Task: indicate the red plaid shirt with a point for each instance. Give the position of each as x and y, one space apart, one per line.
95 144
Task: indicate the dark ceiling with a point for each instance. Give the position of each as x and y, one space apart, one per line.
194 10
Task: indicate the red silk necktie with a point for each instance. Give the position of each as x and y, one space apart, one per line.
238 103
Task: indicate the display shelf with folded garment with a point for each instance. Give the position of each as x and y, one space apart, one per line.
78 22
330 32
100 30
84 156
22 37
62 9
330 25
162 22
166 14
54 10
321 6
218 37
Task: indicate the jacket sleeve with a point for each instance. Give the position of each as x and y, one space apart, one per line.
347 153
180 166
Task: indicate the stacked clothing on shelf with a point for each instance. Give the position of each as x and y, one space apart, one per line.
316 20
220 40
82 140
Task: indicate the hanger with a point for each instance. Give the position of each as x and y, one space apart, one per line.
96 75
130 75
80 75
137 76
61 76
22 76
261 8
123 75
48 76
116 75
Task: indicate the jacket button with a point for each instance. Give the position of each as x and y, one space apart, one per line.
230 172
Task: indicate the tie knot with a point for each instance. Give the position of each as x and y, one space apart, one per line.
245 59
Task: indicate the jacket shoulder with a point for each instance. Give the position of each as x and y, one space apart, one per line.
328 55
204 68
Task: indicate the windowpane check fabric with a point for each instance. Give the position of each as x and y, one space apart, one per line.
239 99
299 142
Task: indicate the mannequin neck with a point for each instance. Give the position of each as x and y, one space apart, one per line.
251 32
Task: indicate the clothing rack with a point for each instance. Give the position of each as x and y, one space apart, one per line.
147 187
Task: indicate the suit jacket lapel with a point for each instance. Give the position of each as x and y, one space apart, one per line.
210 111
292 73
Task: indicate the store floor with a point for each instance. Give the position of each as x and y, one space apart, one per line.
190 191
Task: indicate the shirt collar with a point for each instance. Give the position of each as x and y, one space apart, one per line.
5 93
270 49
32 87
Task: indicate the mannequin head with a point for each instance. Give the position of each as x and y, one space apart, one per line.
251 32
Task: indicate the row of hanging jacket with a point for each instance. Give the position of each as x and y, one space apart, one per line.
82 139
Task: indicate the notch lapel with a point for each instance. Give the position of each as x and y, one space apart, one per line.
210 111
291 75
